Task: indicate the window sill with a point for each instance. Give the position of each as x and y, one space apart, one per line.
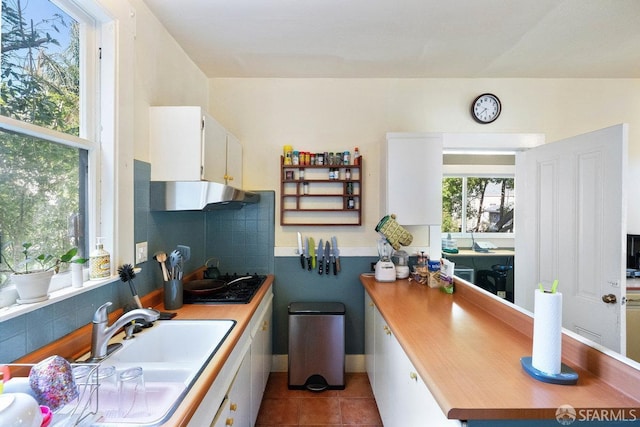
16 309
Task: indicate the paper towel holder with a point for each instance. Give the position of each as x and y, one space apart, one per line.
567 376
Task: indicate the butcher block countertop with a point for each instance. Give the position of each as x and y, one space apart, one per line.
78 343
467 349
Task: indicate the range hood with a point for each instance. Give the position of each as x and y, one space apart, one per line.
197 196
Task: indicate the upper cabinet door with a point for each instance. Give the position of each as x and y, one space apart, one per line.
234 161
412 178
175 143
214 150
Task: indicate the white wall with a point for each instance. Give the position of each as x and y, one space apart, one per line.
325 114
151 69
334 114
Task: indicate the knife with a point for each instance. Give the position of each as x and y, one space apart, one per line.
300 250
336 255
327 256
306 252
320 261
312 253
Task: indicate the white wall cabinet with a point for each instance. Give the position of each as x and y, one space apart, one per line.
187 144
412 178
233 174
402 397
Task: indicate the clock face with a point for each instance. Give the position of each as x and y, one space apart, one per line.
485 108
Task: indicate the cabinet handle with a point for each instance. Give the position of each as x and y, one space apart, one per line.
233 407
387 330
228 177
371 304
229 422
413 376
265 325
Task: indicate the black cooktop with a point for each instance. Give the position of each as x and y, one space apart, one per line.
239 292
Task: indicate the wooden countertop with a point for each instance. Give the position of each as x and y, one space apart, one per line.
78 343
467 349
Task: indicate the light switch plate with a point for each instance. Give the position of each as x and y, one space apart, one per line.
141 252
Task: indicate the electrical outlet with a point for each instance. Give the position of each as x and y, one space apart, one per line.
141 252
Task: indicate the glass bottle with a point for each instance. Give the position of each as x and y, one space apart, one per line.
99 262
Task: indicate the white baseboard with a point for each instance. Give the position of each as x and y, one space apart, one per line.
353 363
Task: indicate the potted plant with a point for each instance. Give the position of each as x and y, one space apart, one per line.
32 284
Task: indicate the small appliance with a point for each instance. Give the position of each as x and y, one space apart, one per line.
401 262
385 269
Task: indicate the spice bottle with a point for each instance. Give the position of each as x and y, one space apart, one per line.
99 262
356 156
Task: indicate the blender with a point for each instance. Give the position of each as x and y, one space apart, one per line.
385 269
401 261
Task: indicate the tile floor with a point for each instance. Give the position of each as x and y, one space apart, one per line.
354 406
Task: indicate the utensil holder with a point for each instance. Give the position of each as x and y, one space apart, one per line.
173 294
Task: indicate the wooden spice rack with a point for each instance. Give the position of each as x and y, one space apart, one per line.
326 202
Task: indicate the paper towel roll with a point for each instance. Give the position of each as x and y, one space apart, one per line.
547 332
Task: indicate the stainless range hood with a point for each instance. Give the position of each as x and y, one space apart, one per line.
197 196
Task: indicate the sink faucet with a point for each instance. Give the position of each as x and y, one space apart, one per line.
102 333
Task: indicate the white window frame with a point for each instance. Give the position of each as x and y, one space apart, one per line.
97 135
455 171
488 143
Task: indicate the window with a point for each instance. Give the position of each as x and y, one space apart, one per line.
47 126
478 193
477 204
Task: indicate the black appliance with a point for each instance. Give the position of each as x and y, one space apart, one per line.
241 291
633 251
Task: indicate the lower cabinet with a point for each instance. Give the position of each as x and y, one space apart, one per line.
234 397
260 353
236 407
402 397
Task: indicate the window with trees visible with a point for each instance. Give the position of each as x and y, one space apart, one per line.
477 204
44 142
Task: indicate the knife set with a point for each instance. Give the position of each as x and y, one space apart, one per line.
325 259
395 234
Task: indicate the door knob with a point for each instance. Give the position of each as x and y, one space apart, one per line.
609 298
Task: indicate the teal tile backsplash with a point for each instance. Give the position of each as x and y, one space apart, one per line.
242 239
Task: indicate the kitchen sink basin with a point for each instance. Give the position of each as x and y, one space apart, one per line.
172 354
178 342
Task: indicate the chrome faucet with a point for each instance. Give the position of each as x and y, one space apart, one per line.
102 333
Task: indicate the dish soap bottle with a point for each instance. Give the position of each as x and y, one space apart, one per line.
99 262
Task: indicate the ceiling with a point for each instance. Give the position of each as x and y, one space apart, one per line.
407 38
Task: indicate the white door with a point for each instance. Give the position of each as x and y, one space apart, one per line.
571 225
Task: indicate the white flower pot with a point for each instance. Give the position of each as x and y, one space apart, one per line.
32 287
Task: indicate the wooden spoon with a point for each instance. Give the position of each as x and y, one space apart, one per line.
161 257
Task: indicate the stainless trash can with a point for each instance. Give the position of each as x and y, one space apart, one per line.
316 345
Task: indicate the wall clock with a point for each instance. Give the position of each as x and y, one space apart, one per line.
486 108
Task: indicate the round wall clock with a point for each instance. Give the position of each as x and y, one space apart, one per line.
486 108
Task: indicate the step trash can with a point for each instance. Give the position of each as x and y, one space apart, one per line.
316 345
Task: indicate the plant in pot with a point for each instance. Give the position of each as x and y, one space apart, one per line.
31 283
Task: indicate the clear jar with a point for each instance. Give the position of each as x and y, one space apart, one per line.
301 174
305 188
346 157
347 174
351 203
